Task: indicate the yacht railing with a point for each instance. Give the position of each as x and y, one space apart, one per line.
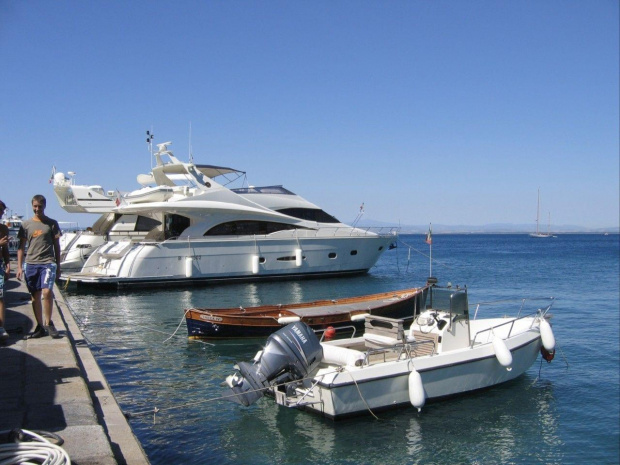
303 234
384 231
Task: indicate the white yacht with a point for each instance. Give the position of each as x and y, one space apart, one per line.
13 222
183 226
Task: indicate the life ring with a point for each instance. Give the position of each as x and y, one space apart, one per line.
547 354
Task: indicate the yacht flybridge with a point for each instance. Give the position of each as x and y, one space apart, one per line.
183 226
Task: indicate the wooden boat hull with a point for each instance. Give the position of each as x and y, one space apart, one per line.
319 315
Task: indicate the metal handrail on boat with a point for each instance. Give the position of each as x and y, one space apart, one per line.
327 231
339 328
406 348
540 313
493 302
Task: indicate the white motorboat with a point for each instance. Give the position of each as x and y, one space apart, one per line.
192 228
444 353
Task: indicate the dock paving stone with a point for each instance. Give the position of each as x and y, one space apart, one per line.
50 392
56 418
87 445
9 400
12 417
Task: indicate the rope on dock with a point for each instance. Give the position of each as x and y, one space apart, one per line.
32 448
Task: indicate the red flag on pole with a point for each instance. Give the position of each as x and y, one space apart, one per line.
429 236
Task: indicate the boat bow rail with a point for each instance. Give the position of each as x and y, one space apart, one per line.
505 328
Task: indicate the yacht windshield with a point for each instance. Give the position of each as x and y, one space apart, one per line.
263 190
309 214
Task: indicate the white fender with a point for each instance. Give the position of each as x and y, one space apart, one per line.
285 320
189 267
502 353
546 334
254 264
417 397
359 316
298 257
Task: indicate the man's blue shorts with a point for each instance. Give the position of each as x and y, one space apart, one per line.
40 276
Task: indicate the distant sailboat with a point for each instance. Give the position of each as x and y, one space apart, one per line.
538 233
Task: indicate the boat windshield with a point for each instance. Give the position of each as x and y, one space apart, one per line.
449 300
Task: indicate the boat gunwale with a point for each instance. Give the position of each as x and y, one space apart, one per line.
361 369
403 296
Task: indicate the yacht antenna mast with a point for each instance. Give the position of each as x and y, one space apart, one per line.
191 156
359 215
149 140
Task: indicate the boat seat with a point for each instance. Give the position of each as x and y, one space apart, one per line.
381 332
425 343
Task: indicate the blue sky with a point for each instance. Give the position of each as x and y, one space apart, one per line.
443 112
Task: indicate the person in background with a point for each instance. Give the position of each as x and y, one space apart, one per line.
5 270
42 264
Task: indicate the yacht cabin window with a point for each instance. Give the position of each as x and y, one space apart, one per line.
248 228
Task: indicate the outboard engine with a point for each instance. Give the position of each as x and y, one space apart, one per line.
290 354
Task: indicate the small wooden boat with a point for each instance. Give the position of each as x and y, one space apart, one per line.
321 314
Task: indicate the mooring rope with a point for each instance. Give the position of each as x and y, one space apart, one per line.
173 334
361 395
155 410
541 364
425 255
180 323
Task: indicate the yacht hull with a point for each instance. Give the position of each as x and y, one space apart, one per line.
178 262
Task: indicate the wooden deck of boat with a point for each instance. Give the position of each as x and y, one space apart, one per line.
425 344
336 309
346 303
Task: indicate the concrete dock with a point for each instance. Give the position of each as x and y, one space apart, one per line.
56 386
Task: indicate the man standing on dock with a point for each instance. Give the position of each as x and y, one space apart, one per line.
42 264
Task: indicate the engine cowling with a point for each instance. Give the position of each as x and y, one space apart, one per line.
289 354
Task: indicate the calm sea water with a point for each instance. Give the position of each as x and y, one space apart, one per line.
559 413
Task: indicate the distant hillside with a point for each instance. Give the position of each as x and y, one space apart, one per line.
495 228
